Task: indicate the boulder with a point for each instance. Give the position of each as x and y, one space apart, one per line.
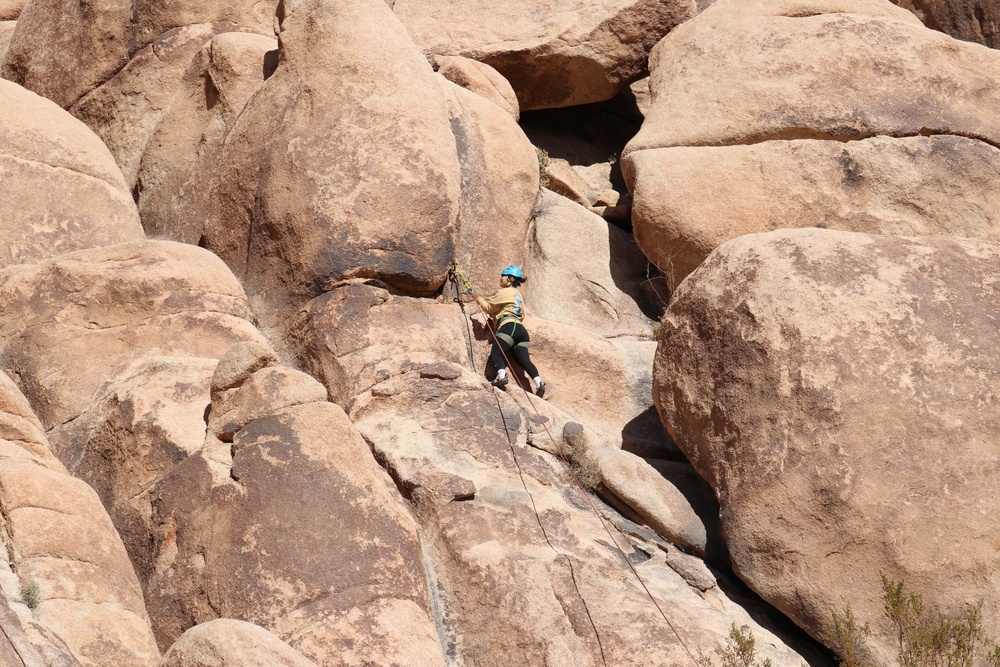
126 108
73 323
564 180
63 50
227 642
687 201
603 382
556 54
64 563
481 79
358 335
342 165
962 19
500 175
334 563
521 568
263 392
6 32
70 194
149 419
10 10
806 119
837 390
587 273
182 153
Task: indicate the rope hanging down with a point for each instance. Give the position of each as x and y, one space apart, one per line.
467 283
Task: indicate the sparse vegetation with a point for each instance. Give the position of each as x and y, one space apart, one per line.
31 593
543 167
846 638
740 651
924 638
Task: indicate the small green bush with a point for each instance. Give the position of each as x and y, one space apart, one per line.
923 638
31 593
543 167
740 651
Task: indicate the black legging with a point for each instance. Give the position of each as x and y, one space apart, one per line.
514 338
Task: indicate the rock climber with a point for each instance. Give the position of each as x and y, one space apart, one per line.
506 309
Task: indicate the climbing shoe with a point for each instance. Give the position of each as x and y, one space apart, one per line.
540 391
500 383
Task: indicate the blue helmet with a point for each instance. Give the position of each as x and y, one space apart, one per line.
513 271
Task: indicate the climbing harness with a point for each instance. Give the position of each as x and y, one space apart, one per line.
459 276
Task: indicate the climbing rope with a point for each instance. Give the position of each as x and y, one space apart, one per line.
467 283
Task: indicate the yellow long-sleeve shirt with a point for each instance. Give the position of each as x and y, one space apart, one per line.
507 302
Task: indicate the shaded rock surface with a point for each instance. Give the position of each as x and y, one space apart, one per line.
764 375
555 54
969 20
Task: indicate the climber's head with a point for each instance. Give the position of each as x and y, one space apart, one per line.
512 275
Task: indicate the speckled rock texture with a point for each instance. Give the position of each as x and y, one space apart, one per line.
838 391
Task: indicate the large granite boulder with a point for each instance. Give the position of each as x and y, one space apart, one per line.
358 335
64 563
555 54
182 153
793 113
838 391
68 191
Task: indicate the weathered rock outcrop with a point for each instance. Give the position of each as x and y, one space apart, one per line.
838 391
499 171
68 191
226 642
555 54
521 568
79 599
752 106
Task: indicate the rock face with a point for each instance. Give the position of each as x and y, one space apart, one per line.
481 79
227 642
76 322
765 375
968 20
561 53
69 193
520 566
297 530
63 562
182 153
751 109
